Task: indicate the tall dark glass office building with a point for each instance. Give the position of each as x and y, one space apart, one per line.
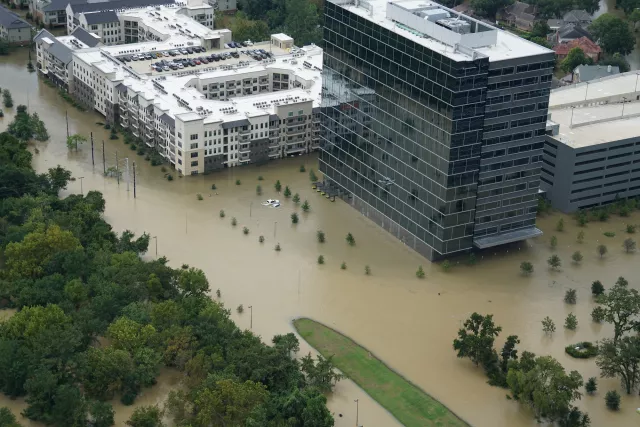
433 123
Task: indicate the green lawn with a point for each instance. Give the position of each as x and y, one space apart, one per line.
410 405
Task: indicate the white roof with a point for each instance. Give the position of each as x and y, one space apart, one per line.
282 37
611 86
506 45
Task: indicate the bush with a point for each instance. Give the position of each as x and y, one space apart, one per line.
526 268
446 265
222 214
553 242
609 234
305 206
169 177
245 230
213 186
580 237
591 386
321 259
218 293
296 198
612 400
602 250
582 350
302 169
320 236
571 322
596 288
261 239
343 266
278 186
294 218
560 225
260 178
312 176
577 257
199 196
472 259
420 273
277 248
350 239
240 309
234 221
570 296
367 270
258 190
631 228
238 182
287 192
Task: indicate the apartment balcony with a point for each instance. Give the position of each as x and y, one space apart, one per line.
274 144
274 153
135 133
294 150
295 131
244 131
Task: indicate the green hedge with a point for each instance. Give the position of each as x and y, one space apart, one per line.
582 350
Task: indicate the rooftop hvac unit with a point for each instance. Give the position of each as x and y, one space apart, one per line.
456 25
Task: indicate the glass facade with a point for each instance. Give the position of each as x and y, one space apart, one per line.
402 128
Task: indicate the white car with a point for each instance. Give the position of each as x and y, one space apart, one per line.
249 43
165 54
165 68
271 202
180 65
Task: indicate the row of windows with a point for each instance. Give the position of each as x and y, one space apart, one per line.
508 177
521 68
499 216
512 137
505 202
608 193
602 150
510 163
515 110
504 227
518 82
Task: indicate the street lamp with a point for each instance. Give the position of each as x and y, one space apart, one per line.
156 237
624 99
586 91
572 110
357 410
636 88
251 317
81 190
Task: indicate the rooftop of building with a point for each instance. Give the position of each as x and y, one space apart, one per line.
599 90
430 25
176 95
166 21
101 17
85 37
10 20
100 5
593 72
59 47
597 124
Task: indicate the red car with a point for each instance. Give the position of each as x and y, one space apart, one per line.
197 61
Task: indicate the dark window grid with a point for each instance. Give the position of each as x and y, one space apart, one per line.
350 164
516 205
400 213
391 89
391 155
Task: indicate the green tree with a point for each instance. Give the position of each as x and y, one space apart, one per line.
570 296
591 6
7 98
320 374
620 306
102 372
540 29
602 250
321 259
350 239
617 60
545 388
560 225
294 218
629 245
258 190
420 273
596 288
278 186
130 335
575 57
526 268
548 326
554 262
553 242
146 416
296 198
580 237
621 359
612 400
302 22
475 340
7 419
74 140
489 8
571 322
287 192
591 386
320 236
613 34
193 282
577 257
101 414
305 206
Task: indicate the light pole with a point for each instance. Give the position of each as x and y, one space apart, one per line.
156 237
636 88
81 190
250 208
624 99
356 400
586 91
571 122
251 317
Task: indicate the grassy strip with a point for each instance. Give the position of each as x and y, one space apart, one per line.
410 405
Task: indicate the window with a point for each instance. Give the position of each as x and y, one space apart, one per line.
194 146
195 163
193 155
290 114
193 136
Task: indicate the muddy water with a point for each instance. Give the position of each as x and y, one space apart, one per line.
408 323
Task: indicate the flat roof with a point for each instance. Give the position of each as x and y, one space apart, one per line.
508 237
597 124
506 45
616 85
168 22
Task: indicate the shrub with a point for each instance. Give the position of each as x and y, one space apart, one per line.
592 384
553 242
218 293
446 265
199 196
245 230
302 169
287 192
260 178
570 296
169 177
526 268
234 221
571 322
213 186
554 261
321 259
240 309
472 259
367 270
631 228
420 273
548 326
140 151
609 234
596 288
294 218
261 239
312 176
238 182
222 214
629 245
163 169
258 190
560 225
602 250
343 266
278 186
278 247
582 350
612 400
577 257
350 239
305 206
296 198
580 237
320 236
598 314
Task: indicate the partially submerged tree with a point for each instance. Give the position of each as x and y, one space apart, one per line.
620 306
476 339
620 359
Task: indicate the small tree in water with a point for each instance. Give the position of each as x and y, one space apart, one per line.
367 270
278 249
343 266
238 182
245 230
305 206
526 268
74 140
472 259
596 288
312 176
446 265
554 242
258 190
577 257
234 221
218 293
420 273
580 237
602 250
350 239
591 386
302 169
294 218
570 296
548 327
612 400
320 236
287 192
240 309
222 213
554 262
571 322
296 198
629 245
261 239
278 186
560 225
321 259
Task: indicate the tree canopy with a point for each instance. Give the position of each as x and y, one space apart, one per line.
613 34
73 280
574 58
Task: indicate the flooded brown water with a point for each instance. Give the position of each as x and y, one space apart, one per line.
408 323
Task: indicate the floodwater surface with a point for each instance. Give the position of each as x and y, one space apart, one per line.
408 323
